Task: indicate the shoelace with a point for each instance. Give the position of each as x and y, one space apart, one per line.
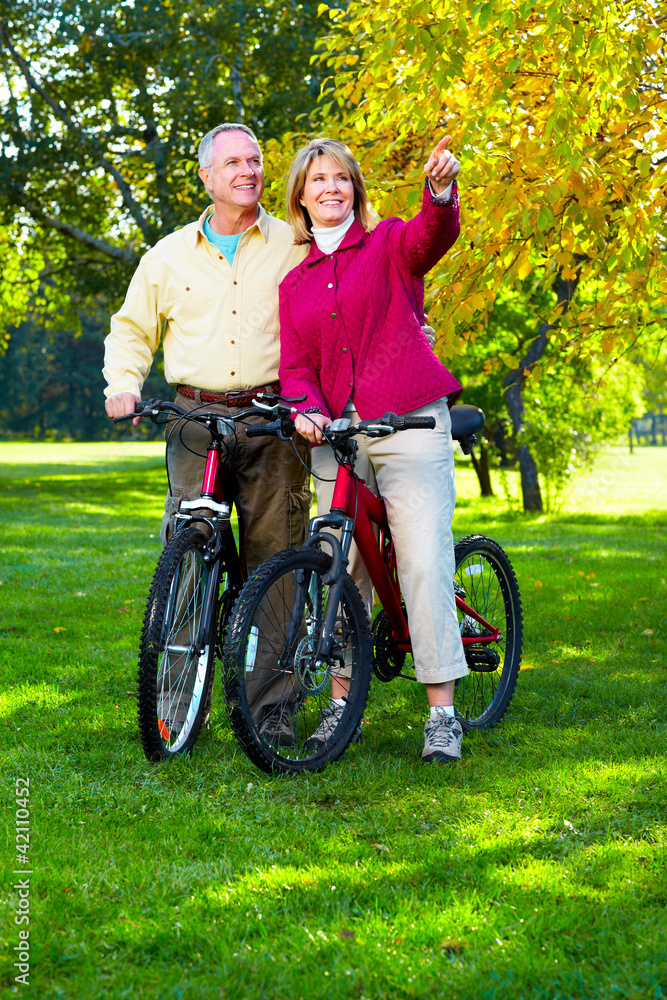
441 733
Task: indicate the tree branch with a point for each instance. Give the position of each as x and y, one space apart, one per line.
124 188
108 249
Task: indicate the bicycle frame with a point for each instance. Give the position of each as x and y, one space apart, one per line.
361 509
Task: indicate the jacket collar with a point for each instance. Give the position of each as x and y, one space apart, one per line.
354 235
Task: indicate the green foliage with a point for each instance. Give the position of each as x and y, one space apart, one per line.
652 370
571 412
572 406
51 384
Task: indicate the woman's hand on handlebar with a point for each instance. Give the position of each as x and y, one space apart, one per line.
122 403
311 425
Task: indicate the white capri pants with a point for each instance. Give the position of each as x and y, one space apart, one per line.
413 471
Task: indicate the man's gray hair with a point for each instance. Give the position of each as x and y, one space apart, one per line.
205 147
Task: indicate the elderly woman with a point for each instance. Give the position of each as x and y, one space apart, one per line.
351 335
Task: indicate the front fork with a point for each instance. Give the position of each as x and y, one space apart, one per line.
333 579
212 554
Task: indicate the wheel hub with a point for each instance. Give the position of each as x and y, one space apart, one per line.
311 676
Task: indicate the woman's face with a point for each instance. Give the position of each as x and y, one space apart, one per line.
328 194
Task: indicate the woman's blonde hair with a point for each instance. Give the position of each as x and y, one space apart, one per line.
297 215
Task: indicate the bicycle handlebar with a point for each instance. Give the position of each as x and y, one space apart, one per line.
154 408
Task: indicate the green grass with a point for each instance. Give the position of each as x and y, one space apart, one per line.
534 868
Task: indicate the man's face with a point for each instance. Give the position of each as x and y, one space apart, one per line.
235 178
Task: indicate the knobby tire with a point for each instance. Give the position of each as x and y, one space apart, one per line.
175 683
485 573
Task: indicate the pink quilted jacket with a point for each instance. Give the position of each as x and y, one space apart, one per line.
350 322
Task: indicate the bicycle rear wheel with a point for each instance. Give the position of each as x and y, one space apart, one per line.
485 580
177 655
278 697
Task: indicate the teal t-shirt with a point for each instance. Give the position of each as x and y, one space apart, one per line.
226 244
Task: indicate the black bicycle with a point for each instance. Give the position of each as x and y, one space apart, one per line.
198 577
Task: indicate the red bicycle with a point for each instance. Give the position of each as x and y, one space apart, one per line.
300 625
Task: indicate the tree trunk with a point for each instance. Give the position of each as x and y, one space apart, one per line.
482 468
530 487
500 441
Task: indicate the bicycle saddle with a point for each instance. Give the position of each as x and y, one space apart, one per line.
467 421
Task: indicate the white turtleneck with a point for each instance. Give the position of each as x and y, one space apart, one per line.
330 238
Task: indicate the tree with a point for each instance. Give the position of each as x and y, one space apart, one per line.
101 105
558 111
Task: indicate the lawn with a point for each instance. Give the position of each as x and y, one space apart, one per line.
534 868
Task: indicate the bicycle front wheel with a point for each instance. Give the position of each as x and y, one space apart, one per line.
485 580
177 655
278 693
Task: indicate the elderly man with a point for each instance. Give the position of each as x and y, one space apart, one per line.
210 290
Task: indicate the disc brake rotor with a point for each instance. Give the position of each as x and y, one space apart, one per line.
312 678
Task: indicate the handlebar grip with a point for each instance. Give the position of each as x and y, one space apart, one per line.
415 423
266 430
138 410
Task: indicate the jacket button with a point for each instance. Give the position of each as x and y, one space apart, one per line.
345 350
333 315
330 285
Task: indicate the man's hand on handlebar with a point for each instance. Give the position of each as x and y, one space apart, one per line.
311 425
122 403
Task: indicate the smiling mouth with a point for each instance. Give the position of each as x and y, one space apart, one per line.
331 204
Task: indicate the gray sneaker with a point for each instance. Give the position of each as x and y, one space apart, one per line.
276 726
331 716
442 739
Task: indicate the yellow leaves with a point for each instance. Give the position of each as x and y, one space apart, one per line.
465 311
563 257
608 343
477 301
567 239
643 165
60 628
524 269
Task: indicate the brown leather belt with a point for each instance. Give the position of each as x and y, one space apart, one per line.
244 397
